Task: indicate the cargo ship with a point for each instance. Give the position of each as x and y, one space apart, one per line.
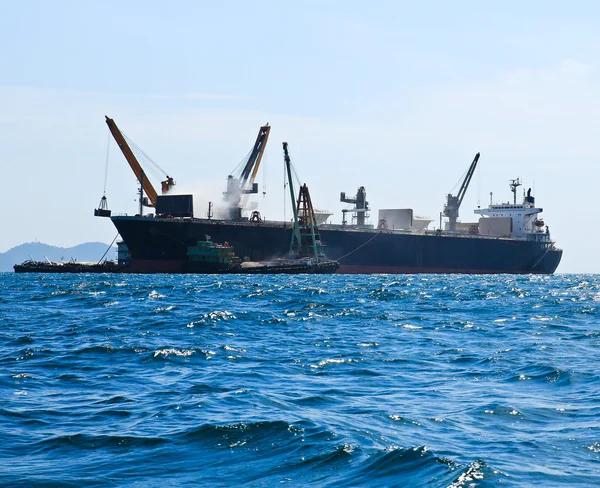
509 237
159 244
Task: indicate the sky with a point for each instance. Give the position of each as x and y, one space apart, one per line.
395 96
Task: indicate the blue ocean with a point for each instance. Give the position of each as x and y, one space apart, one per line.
230 380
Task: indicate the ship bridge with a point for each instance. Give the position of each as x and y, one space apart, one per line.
514 219
522 217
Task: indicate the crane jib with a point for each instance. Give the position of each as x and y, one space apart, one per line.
136 166
251 168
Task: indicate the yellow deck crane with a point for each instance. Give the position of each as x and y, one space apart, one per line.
145 184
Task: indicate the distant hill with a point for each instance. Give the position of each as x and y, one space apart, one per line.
89 251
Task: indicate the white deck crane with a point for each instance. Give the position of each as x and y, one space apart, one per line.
244 184
453 202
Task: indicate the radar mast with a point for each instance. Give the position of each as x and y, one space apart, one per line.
514 184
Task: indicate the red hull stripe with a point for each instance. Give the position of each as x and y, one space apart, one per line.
356 269
174 266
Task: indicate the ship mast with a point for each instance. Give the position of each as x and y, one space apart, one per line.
514 184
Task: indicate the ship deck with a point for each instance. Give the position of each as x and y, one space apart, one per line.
328 227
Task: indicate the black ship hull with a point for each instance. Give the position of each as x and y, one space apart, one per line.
160 244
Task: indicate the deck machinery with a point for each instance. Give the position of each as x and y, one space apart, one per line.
361 207
151 197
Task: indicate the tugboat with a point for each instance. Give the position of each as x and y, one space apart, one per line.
208 257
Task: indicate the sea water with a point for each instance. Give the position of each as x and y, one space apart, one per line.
333 380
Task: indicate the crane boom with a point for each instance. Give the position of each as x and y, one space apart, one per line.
467 180
242 185
288 163
453 202
133 162
255 156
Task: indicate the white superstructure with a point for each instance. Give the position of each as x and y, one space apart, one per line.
513 219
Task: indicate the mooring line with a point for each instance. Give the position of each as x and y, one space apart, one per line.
362 245
109 246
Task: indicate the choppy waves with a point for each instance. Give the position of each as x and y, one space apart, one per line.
301 380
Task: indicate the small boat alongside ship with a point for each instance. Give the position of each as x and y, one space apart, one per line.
31 266
206 257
